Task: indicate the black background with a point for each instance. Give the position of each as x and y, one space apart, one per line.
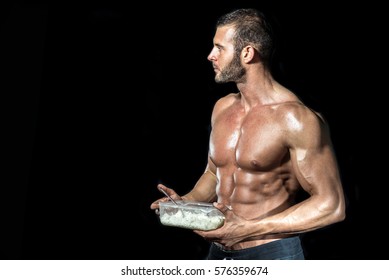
103 100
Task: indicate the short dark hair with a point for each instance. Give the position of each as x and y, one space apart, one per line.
251 28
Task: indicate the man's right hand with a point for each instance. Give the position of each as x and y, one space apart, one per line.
169 191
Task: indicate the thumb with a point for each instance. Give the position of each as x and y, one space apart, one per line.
222 207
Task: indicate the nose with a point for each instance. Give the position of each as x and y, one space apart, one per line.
211 56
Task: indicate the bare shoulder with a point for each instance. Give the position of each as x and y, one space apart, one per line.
301 122
297 112
224 103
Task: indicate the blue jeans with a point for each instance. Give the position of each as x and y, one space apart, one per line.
284 249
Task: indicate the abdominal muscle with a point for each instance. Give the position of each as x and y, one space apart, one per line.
254 196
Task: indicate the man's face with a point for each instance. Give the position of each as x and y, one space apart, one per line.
225 61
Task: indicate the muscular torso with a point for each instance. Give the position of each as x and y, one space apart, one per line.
252 160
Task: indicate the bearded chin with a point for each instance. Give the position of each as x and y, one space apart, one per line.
234 72
224 77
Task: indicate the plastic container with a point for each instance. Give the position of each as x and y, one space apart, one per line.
190 215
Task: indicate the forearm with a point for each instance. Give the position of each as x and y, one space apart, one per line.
306 216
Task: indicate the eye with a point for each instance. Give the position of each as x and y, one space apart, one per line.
218 49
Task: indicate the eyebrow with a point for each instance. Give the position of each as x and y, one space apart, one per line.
219 46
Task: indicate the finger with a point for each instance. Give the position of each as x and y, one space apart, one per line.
155 204
162 186
222 207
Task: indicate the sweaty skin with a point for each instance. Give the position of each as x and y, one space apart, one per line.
265 146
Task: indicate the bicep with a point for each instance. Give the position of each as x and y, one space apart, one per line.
313 160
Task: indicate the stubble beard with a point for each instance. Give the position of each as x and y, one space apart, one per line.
233 72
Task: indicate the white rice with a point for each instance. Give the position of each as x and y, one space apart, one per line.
191 220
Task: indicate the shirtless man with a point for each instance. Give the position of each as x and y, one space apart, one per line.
265 146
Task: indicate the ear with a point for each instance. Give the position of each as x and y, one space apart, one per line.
248 53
